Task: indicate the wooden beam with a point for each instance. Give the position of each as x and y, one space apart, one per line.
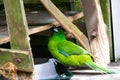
36 29
65 23
18 57
96 29
14 58
18 30
48 26
17 25
25 1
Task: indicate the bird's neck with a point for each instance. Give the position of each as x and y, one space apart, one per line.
60 36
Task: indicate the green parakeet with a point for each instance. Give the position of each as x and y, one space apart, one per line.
69 53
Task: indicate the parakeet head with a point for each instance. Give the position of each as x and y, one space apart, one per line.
59 33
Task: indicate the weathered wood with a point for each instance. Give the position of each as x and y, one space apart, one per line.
4 38
18 29
17 25
18 57
37 1
65 23
14 58
25 1
46 27
96 29
105 7
106 10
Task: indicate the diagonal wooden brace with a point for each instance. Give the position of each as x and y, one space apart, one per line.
65 23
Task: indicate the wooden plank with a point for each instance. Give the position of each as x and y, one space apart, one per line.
25 1
106 10
65 23
16 24
18 29
37 1
18 57
41 17
4 38
13 61
96 29
35 29
48 26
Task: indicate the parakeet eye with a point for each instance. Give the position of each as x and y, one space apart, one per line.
55 29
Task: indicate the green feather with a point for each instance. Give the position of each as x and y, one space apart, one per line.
69 53
71 48
94 66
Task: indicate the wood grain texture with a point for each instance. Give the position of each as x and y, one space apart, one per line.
18 30
8 55
4 37
96 29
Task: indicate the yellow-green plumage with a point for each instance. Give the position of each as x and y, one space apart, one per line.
68 53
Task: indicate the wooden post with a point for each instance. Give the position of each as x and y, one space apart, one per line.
96 29
106 10
18 30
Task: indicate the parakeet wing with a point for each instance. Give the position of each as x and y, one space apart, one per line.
70 48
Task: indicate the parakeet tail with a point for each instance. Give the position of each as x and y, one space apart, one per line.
95 66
